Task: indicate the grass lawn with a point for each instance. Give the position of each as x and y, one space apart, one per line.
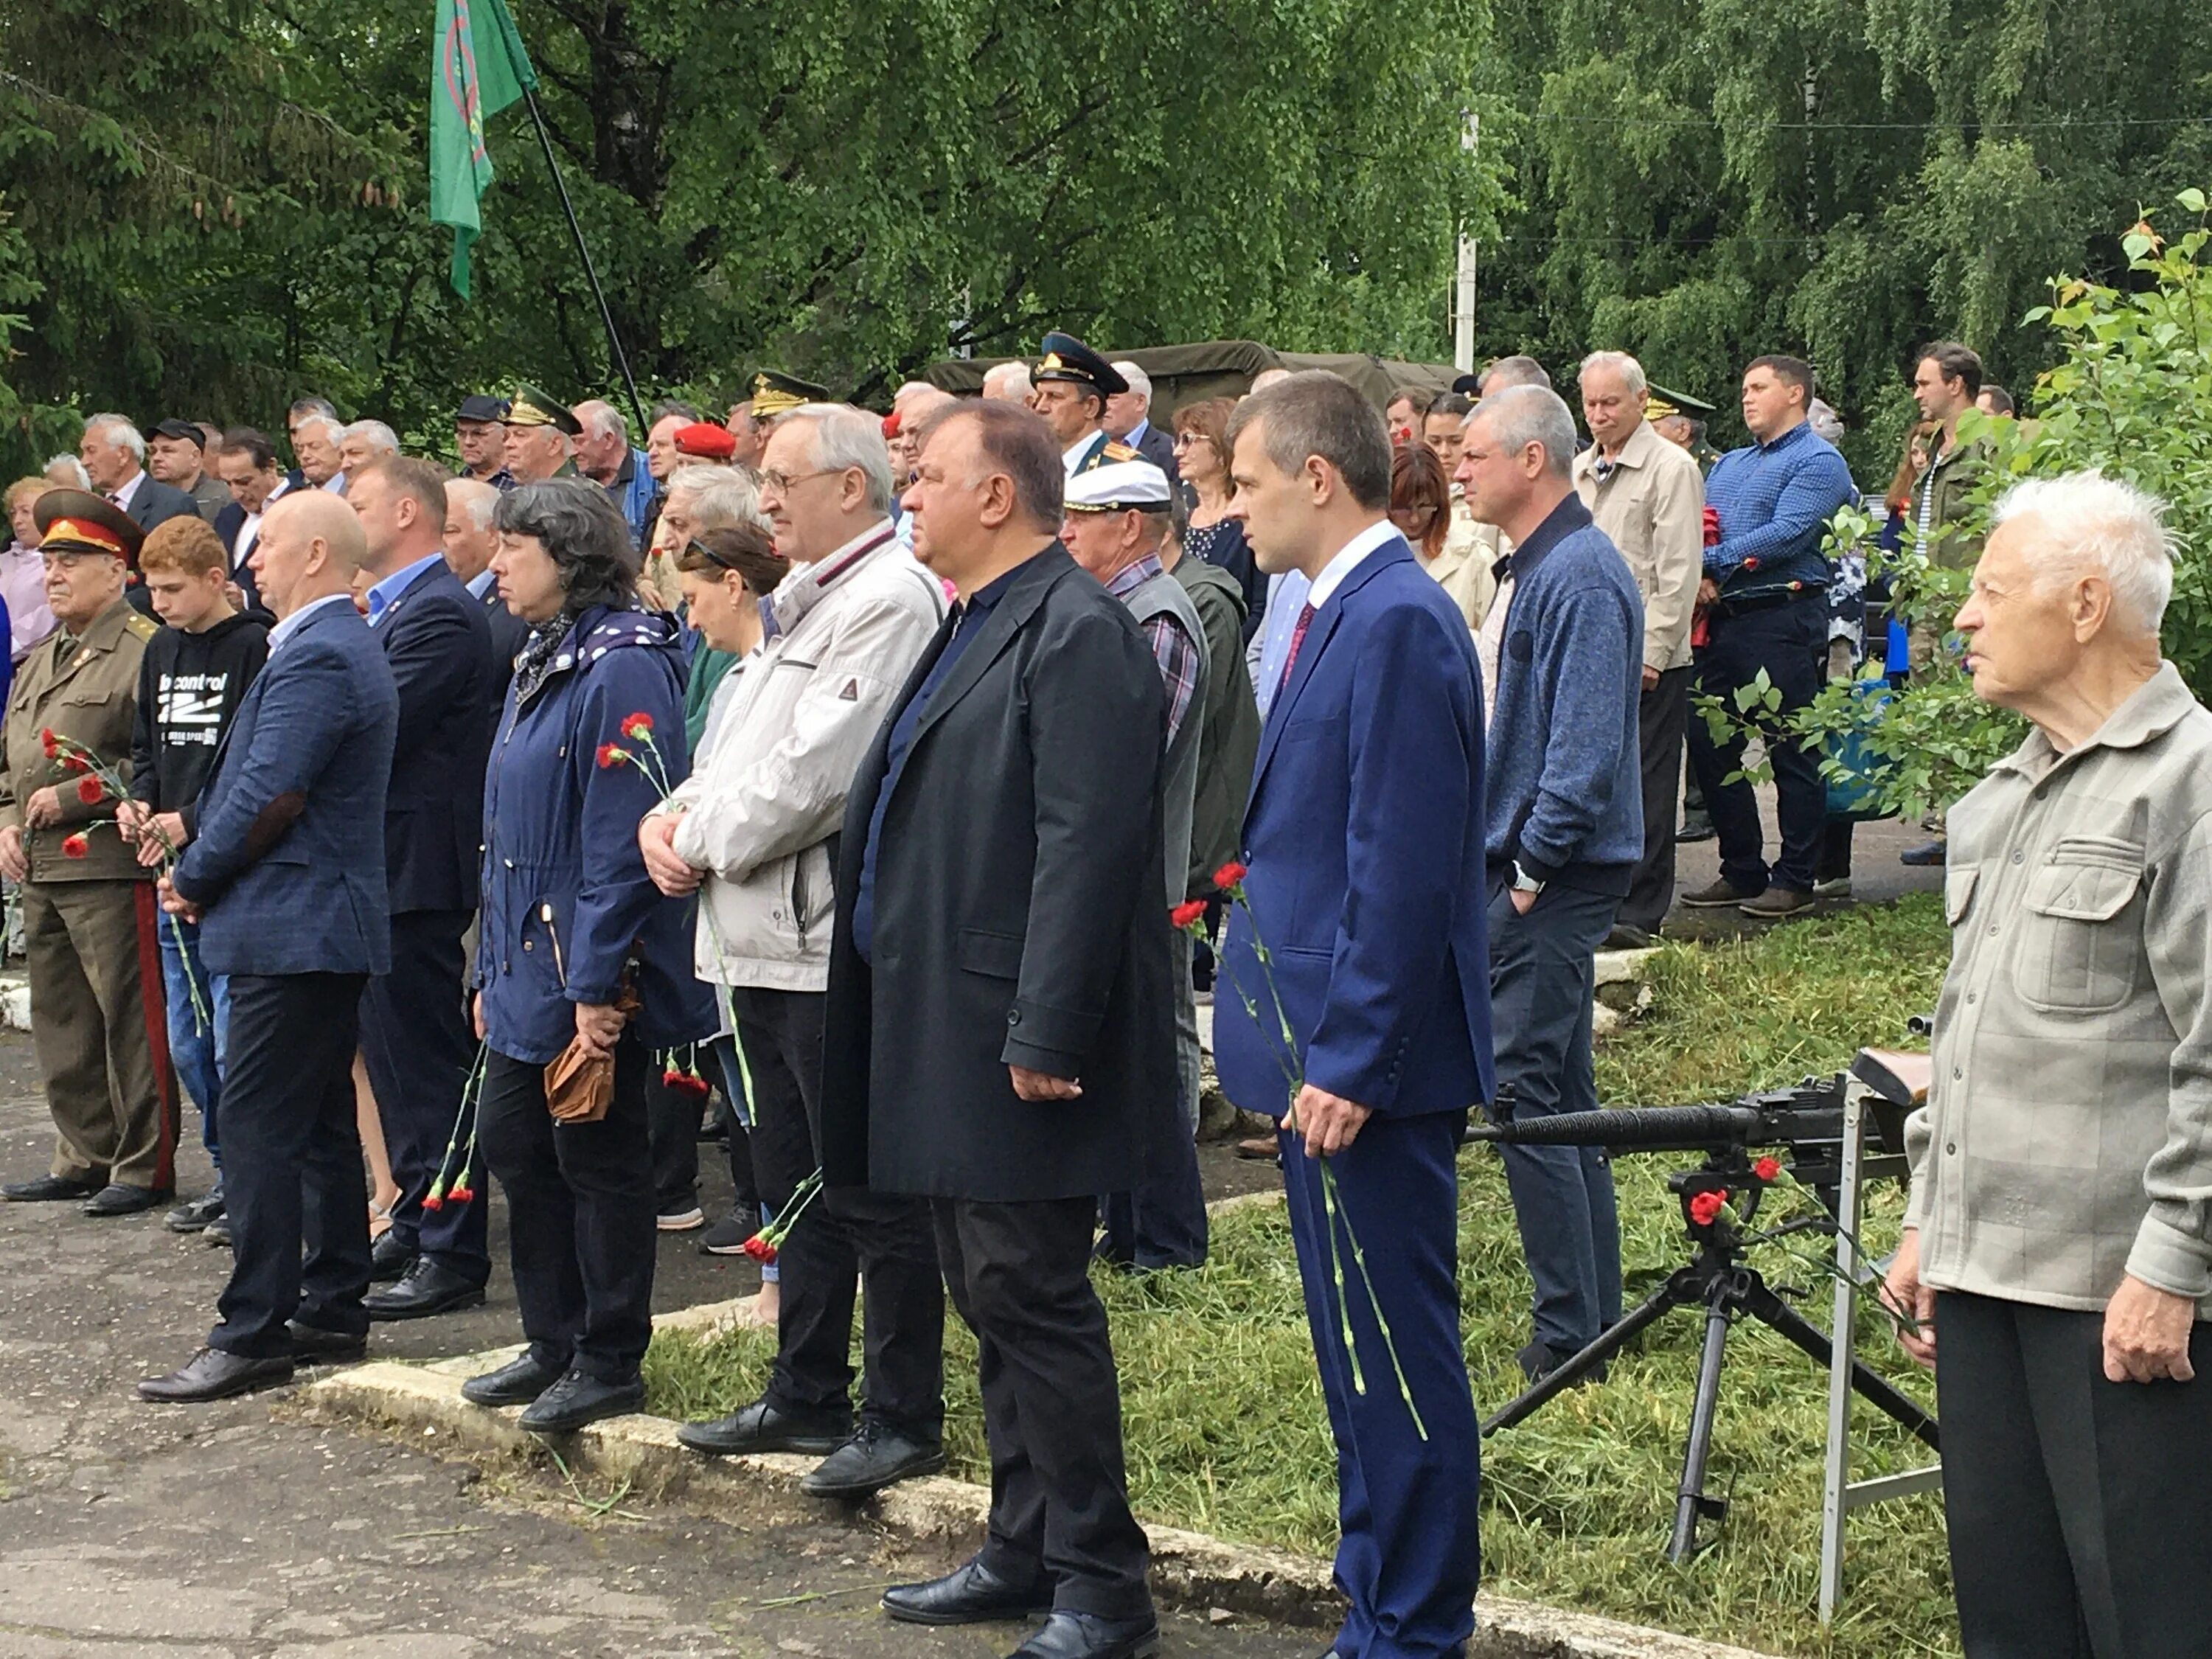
1225 1426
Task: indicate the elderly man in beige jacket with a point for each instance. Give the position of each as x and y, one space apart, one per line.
2057 1256
1648 496
752 830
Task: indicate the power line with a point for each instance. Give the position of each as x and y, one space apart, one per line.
2050 124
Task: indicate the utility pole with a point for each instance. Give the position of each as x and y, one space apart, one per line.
1463 287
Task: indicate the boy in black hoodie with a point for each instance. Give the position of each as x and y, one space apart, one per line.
195 672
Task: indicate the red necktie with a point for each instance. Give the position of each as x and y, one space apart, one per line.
1297 638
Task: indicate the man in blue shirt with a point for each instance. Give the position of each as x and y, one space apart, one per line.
1764 598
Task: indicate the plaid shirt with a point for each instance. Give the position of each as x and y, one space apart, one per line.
2067 1134
1176 652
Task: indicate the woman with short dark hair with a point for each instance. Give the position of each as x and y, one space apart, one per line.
579 955
1201 448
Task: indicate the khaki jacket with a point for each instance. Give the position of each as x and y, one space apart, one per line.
1652 504
2067 1134
87 691
1465 570
1939 503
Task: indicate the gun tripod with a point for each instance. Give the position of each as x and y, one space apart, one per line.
1720 1281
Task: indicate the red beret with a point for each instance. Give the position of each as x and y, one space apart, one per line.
706 440
891 425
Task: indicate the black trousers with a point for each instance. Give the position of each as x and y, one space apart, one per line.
580 1214
848 1232
1663 712
291 1162
415 1040
1052 1408
1789 641
2079 1511
672 1118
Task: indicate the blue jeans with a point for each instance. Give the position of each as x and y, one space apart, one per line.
1542 974
195 1049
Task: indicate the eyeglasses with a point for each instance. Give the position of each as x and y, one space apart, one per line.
783 484
1184 439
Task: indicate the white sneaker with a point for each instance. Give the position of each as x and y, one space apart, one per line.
681 1221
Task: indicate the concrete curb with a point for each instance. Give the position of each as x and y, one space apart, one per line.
1189 1569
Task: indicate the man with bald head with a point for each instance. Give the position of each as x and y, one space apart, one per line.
286 877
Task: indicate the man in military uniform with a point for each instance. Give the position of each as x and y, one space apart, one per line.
1681 420
777 393
541 436
89 918
1072 385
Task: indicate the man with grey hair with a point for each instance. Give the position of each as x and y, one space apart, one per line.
1129 420
1648 498
603 455
365 441
114 454
1267 377
1513 371
1563 646
754 832
1008 382
315 439
469 543
2056 1264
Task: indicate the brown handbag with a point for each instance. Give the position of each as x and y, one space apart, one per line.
578 1085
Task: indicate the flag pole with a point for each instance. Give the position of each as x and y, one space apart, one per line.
590 271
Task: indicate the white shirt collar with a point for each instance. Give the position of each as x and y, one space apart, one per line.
1073 456
291 625
124 494
1380 534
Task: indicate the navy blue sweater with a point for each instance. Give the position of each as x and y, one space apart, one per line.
1565 781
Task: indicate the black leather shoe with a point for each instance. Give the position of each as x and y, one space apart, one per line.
211 1374
880 1455
972 1594
1540 1359
516 1383
49 1189
1070 1635
313 1345
389 1259
194 1217
580 1398
428 1289
761 1427
116 1199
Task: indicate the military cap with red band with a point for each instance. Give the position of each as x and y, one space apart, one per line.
77 521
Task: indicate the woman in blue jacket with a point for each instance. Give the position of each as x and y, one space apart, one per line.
576 946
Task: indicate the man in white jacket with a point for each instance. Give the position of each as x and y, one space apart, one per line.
753 830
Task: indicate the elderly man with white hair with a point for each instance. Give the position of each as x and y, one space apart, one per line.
469 543
113 455
2056 1257
315 441
1008 382
604 454
365 441
1129 420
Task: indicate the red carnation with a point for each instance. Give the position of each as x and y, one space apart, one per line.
684 1083
462 1194
1229 875
89 790
434 1202
1768 1168
760 1250
671 1077
76 762
1188 913
49 742
1706 1207
637 725
74 846
612 755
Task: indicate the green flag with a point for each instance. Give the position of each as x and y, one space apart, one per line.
477 67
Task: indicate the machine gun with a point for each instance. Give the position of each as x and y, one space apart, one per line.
1805 1126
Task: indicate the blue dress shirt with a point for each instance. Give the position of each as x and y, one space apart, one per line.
1774 501
381 596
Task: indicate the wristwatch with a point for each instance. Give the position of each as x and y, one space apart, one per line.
1523 882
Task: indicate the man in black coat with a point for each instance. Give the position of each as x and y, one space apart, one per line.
414 1030
1000 1021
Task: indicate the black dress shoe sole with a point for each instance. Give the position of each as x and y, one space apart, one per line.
810 1445
926 1463
248 1382
386 1313
330 1351
500 1399
993 1613
99 1211
39 1191
1129 1647
569 1422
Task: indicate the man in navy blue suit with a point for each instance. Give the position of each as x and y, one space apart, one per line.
1364 836
415 1032
286 878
